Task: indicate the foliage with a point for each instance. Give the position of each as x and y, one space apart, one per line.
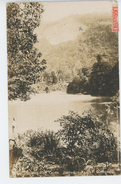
99 39
100 80
104 79
114 80
65 59
81 140
96 38
84 137
78 85
74 86
43 87
40 144
113 108
115 100
24 63
54 78
49 78
97 43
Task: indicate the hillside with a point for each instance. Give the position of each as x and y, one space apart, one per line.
74 42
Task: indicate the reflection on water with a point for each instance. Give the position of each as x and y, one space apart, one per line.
101 100
43 109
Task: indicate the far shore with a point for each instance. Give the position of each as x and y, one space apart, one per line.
56 96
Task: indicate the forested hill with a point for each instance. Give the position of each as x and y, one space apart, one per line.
66 52
81 52
85 37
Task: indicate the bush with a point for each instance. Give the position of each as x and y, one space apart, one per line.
104 79
78 85
84 136
40 144
81 139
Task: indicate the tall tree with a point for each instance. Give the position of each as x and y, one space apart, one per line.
104 79
24 63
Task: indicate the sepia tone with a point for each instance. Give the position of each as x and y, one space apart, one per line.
63 89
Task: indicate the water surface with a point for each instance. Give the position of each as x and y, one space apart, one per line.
43 109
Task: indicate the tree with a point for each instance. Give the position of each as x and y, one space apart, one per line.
85 137
78 85
98 39
53 77
100 79
74 86
24 65
60 75
114 79
46 77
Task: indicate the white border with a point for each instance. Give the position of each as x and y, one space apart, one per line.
4 159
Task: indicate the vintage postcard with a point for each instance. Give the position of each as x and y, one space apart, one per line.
63 89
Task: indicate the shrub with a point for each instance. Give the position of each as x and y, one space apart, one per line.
78 85
83 136
43 144
80 139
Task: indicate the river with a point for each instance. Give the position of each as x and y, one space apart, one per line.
42 110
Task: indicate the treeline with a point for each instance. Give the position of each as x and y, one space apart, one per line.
102 79
53 77
53 81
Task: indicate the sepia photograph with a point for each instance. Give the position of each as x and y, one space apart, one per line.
63 89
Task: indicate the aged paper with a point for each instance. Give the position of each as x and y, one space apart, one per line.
63 89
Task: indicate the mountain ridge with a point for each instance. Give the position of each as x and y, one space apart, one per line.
95 37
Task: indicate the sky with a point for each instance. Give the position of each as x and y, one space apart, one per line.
58 10
62 31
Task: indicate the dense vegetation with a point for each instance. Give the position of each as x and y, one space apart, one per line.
96 39
24 64
89 63
101 80
82 142
101 44
95 43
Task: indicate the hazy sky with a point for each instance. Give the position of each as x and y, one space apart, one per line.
57 10
68 30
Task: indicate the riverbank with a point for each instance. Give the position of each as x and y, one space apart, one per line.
34 151
56 96
45 169
38 153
